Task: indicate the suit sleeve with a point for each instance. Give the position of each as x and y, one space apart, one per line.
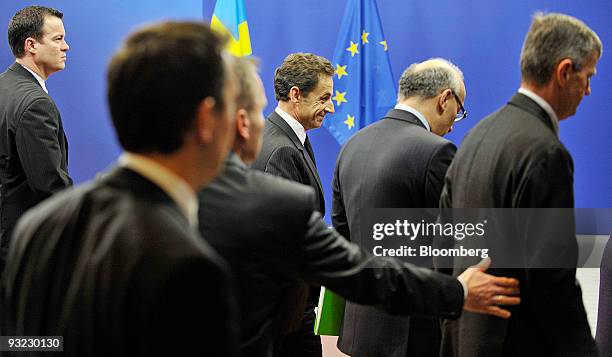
328 259
287 162
552 248
436 171
339 220
39 150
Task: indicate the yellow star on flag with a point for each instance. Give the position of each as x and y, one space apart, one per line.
364 37
350 121
341 71
384 44
339 98
353 48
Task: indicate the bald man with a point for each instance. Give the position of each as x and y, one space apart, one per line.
400 161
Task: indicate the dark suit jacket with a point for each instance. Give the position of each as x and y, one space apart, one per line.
33 149
514 159
392 163
269 232
114 267
604 316
282 154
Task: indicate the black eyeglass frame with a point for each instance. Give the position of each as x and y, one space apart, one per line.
461 108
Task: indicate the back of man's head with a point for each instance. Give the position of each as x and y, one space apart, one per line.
427 79
301 70
28 22
551 38
157 80
245 71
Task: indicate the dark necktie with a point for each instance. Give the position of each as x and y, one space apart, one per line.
308 148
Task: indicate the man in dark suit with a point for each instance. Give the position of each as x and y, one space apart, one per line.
303 87
604 315
514 159
115 266
399 161
271 234
33 147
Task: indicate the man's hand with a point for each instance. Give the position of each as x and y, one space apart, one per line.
486 292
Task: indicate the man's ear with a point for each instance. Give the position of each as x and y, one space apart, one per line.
243 124
295 94
30 45
443 100
563 71
205 120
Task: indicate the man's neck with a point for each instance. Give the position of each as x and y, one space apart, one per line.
181 163
421 106
31 65
546 92
288 108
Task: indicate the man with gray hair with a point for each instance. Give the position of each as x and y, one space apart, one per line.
514 159
399 161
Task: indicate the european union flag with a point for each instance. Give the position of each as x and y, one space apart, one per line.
230 19
364 85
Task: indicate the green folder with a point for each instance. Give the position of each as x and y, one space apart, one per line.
330 313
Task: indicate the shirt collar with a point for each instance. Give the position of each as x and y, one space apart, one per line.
414 112
170 183
544 105
298 129
38 78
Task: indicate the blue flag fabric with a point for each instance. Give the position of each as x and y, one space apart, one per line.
364 86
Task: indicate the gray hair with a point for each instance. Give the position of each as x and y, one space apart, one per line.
551 38
427 79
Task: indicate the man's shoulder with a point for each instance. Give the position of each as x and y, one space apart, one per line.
123 217
15 83
259 187
512 126
398 137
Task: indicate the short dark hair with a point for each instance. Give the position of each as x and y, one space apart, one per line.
300 70
158 78
28 22
551 38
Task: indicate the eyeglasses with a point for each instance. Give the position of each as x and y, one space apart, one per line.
462 112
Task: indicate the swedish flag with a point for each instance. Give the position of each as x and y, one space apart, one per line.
364 85
230 19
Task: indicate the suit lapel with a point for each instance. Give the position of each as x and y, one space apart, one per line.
524 102
397 114
282 124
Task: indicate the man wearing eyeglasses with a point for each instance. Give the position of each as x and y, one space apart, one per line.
399 161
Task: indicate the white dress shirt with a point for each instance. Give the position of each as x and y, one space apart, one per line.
169 182
38 78
544 105
414 112
298 129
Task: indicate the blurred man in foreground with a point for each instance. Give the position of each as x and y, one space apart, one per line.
115 266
